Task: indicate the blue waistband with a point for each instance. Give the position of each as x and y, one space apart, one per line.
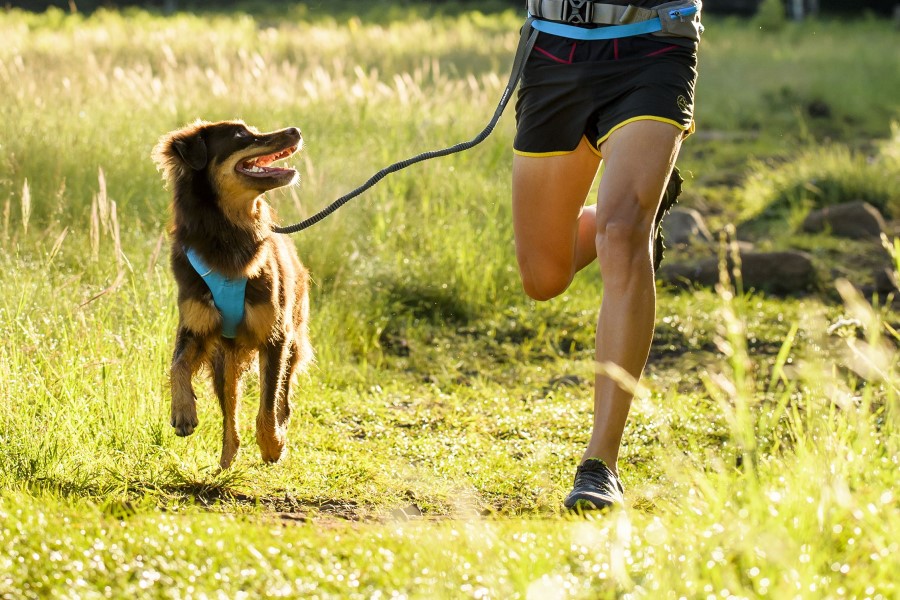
228 294
600 33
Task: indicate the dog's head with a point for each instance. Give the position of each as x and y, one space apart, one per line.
234 160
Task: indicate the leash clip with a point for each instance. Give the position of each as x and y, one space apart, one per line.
682 14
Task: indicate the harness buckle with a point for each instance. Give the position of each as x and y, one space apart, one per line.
577 11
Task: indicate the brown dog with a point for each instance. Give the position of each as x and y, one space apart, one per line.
222 245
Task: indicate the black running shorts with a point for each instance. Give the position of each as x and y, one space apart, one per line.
573 89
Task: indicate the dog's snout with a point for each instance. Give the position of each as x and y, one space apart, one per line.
293 131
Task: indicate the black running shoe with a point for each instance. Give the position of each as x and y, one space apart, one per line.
596 487
670 197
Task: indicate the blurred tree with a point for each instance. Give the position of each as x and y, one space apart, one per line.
771 15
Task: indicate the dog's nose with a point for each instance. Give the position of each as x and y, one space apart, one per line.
293 131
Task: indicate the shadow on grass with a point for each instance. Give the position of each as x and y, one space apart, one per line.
122 496
227 493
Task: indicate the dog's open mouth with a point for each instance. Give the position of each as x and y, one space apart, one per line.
260 166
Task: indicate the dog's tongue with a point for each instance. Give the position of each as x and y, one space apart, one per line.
259 166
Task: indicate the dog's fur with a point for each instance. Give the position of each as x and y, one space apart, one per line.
218 210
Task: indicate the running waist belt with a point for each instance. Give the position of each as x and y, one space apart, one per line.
227 293
564 17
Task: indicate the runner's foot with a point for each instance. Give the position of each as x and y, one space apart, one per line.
596 487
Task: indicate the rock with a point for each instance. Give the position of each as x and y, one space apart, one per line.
781 273
394 344
685 274
819 109
856 220
683 226
784 272
886 282
408 513
565 381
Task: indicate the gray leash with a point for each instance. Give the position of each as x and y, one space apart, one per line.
526 43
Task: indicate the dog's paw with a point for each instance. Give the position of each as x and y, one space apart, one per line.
271 444
272 453
270 458
229 453
184 420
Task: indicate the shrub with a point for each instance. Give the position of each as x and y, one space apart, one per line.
771 15
822 177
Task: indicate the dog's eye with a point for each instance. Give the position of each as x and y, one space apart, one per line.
241 133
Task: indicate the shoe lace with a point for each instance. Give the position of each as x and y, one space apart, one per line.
594 474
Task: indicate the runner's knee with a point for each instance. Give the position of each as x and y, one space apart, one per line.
623 240
543 282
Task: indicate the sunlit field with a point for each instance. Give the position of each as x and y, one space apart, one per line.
433 440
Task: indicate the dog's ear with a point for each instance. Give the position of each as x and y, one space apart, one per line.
192 150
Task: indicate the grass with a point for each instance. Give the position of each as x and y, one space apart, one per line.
822 176
432 443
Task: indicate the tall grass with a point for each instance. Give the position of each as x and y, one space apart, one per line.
433 441
822 176
752 79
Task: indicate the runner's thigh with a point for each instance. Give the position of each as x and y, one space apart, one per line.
639 158
548 194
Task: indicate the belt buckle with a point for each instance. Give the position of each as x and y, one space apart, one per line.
578 11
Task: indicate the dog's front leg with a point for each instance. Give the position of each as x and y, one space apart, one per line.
271 436
187 358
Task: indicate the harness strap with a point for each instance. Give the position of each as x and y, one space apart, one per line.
228 294
584 11
566 18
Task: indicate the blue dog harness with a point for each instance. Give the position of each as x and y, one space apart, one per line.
227 293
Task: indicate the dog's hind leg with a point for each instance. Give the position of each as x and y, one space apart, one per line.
227 370
271 434
187 358
283 401
298 358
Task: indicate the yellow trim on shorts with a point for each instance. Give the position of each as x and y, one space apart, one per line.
687 130
542 154
594 150
557 152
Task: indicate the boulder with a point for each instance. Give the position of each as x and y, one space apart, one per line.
781 273
856 220
683 226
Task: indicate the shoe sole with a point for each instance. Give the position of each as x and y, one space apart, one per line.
669 199
582 506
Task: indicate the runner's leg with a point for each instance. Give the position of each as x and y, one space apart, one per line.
639 159
554 232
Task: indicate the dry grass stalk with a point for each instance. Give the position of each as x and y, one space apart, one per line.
26 205
60 198
6 210
295 199
154 257
95 230
117 242
120 256
57 244
103 201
